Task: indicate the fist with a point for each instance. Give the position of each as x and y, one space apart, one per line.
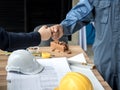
57 31
45 33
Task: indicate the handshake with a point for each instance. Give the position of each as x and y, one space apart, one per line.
55 32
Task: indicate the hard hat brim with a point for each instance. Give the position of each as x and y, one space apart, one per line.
37 69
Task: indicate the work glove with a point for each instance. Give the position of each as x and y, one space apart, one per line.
56 31
45 33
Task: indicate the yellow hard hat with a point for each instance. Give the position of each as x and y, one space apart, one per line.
75 81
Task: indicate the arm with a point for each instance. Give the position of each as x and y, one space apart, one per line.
23 40
11 41
78 16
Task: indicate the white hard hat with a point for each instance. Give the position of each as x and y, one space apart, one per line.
24 62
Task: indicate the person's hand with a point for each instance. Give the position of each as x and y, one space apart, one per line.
45 33
57 31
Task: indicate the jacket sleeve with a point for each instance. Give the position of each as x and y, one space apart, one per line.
10 41
77 17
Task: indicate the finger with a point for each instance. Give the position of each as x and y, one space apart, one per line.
55 36
55 30
45 26
52 29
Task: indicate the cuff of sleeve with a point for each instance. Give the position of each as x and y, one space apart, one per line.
36 38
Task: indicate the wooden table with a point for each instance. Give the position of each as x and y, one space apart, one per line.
74 51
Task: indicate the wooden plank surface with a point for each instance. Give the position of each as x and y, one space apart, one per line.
74 51
3 73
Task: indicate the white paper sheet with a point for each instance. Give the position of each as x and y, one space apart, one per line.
77 59
86 71
60 65
48 79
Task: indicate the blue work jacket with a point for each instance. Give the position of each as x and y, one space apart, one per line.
106 47
10 41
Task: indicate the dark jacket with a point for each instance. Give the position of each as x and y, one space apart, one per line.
10 41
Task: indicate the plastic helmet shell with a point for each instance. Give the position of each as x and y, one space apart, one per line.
74 81
24 62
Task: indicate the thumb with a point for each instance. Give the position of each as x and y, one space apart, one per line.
44 26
